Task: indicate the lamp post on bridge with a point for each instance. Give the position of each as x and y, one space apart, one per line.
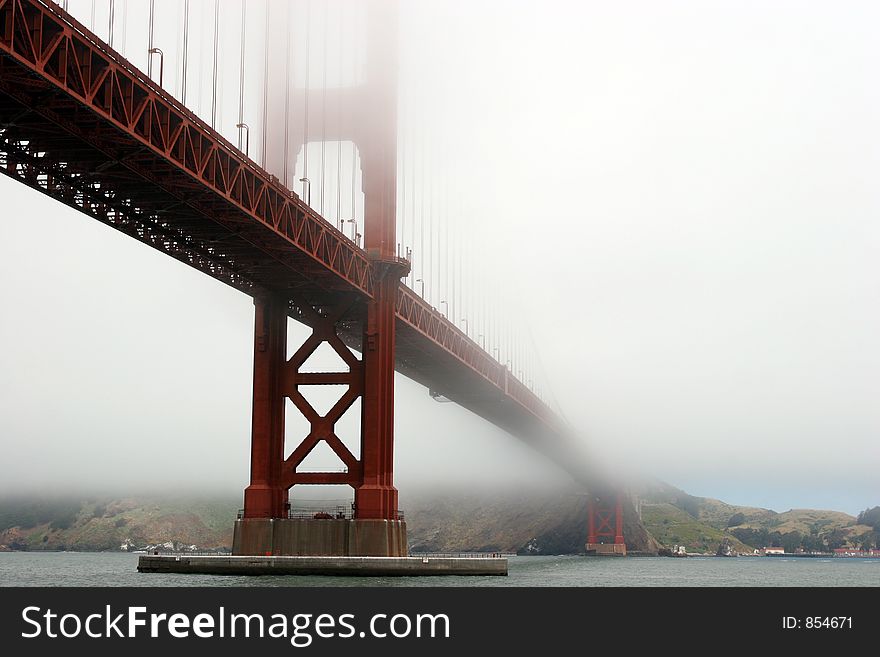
354 229
158 51
420 280
467 326
247 137
445 314
307 184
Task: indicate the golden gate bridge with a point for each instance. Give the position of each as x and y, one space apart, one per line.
190 132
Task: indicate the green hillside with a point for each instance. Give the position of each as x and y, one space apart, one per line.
673 526
529 522
700 524
106 524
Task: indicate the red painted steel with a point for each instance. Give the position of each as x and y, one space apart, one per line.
44 40
82 125
266 497
322 427
376 138
79 123
605 519
277 378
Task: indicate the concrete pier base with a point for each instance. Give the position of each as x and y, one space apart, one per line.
606 549
319 538
338 566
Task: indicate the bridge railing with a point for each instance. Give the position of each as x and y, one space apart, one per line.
419 314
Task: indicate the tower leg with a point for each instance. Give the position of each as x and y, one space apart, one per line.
376 496
266 496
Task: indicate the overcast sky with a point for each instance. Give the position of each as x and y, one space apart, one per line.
681 195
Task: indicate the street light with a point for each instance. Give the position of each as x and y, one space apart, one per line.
158 51
247 137
482 340
466 326
308 190
445 314
353 228
419 280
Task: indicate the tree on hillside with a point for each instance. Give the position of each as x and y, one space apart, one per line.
689 504
870 517
867 541
791 541
813 543
836 538
756 538
736 519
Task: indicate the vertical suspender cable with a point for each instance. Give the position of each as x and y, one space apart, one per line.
110 23
354 168
354 79
179 49
241 74
431 260
412 180
306 90
264 154
288 37
422 257
338 125
149 37
445 224
402 182
324 107
453 306
124 26
216 55
185 51
433 227
92 23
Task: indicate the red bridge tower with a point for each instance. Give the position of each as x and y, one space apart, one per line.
605 524
377 527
